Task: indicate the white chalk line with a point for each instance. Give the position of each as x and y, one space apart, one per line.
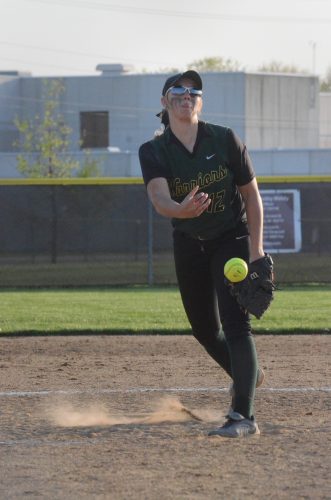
88 441
138 390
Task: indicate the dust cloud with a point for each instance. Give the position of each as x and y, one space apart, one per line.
168 409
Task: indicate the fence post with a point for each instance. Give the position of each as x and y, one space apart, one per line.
150 243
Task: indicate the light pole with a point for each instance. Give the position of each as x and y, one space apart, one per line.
312 43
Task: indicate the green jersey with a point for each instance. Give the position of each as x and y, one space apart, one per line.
219 164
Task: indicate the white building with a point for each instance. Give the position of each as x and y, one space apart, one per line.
278 116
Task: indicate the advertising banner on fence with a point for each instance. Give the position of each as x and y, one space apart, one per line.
282 220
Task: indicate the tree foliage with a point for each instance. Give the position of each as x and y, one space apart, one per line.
44 140
215 64
326 81
221 64
280 67
207 64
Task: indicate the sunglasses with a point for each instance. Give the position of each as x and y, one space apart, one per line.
180 90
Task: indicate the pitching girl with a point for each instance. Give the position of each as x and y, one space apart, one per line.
200 175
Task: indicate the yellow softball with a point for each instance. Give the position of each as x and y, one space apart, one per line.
235 270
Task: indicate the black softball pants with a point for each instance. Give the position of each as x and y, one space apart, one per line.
217 321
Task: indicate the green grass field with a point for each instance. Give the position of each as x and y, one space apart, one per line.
146 310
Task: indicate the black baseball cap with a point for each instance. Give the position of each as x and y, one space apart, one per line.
191 74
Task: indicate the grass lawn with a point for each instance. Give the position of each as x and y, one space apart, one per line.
146 310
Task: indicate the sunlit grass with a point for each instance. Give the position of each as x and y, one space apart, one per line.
146 310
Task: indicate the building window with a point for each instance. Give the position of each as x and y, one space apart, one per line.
94 129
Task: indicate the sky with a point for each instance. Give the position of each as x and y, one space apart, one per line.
71 37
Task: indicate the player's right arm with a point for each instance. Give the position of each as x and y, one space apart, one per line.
193 205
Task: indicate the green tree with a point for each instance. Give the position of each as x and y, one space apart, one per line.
279 67
44 140
43 151
215 64
326 81
166 69
207 64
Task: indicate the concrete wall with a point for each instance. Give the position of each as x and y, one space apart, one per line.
268 162
109 164
292 162
325 119
282 112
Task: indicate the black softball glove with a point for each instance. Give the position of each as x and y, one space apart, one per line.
256 291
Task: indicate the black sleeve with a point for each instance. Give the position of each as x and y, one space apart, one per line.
151 166
240 162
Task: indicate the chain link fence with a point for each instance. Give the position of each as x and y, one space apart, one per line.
70 234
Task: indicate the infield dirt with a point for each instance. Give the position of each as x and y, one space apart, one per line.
101 417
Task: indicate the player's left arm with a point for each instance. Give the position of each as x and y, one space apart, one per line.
254 210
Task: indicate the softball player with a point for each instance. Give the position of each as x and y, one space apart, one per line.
200 175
